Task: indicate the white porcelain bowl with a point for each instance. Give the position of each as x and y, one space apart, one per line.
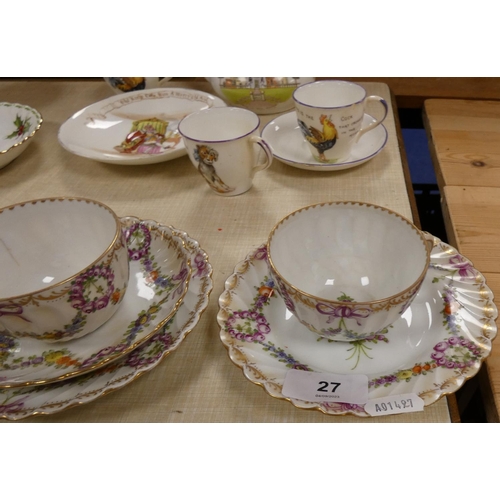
64 268
18 123
347 270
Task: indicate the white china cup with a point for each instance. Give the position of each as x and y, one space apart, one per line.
330 115
347 270
121 84
223 145
64 268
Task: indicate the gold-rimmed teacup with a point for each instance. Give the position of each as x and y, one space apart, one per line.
347 270
64 268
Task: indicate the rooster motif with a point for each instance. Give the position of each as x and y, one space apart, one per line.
321 140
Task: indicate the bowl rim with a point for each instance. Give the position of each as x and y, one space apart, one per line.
62 282
35 112
388 299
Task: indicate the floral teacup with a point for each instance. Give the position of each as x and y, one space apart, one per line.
347 270
64 268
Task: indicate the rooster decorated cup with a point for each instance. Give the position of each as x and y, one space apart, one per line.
330 115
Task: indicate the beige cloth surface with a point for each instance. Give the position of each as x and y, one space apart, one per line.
197 382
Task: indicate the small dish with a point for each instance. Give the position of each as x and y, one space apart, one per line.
152 298
18 124
441 341
289 146
138 128
22 402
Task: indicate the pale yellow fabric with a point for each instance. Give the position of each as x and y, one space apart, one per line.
198 382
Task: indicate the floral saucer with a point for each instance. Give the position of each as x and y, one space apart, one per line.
137 128
22 402
154 293
441 341
289 146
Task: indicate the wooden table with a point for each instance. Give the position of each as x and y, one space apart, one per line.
464 139
197 382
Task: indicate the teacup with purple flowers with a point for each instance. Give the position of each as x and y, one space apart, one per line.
64 268
347 270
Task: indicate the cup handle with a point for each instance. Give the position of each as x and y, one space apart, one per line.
267 150
371 126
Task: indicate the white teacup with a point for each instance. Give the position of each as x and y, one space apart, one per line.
64 268
347 270
222 145
122 84
330 115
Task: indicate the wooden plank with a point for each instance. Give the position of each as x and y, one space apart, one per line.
472 219
464 140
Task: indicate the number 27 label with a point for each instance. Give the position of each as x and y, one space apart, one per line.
324 386
312 386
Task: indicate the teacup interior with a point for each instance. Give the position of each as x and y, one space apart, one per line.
348 252
47 242
329 94
218 124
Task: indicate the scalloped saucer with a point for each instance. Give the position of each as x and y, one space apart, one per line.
152 297
441 340
137 128
289 146
19 403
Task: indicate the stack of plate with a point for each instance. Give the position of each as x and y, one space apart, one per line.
41 378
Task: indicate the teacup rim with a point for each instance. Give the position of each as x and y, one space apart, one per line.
353 303
217 110
62 282
328 107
